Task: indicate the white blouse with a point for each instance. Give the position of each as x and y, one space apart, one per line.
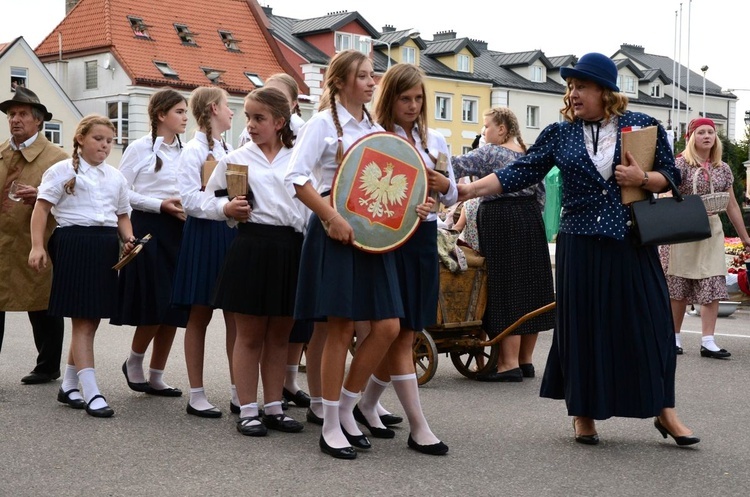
101 194
149 187
191 161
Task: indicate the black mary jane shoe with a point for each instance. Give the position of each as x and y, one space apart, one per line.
300 398
391 419
64 397
342 453
681 441
211 412
234 408
438 449
102 412
719 354
165 392
313 418
280 422
358 441
256 430
374 431
137 387
585 439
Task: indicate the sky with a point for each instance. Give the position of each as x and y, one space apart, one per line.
719 36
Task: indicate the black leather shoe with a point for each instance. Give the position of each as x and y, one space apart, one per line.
358 441
678 350
35 377
437 449
374 431
585 439
256 430
64 397
102 412
234 408
391 419
300 399
512 375
165 392
313 418
527 370
137 387
283 423
342 453
681 441
719 354
211 412
284 404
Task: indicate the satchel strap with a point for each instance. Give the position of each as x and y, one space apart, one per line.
675 193
695 179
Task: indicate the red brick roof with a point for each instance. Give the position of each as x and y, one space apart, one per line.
97 26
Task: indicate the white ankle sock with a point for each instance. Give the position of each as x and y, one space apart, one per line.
677 340
235 398
407 390
70 382
87 378
249 410
708 342
155 379
198 399
290 379
316 406
134 366
346 412
331 431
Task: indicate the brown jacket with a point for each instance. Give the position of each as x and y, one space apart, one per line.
22 288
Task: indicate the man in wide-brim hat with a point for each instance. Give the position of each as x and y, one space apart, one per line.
25 157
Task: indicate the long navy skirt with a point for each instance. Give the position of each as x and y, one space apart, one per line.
613 350
204 246
419 278
341 281
84 285
145 284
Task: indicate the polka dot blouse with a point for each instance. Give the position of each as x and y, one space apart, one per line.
591 204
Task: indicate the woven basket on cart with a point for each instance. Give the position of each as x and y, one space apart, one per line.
714 202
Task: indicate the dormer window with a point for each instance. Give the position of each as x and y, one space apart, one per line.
167 71
229 41
536 74
254 79
345 41
462 63
140 29
626 84
213 75
656 90
185 35
408 55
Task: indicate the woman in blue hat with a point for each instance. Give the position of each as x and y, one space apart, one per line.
613 350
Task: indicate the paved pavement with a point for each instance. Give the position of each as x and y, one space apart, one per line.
504 439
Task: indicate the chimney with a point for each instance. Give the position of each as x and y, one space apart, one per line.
481 45
632 48
267 10
69 4
388 29
444 35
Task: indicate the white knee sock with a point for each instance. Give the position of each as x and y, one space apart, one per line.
134 366
708 342
70 382
155 379
87 378
198 399
290 379
346 412
371 399
331 431
407 390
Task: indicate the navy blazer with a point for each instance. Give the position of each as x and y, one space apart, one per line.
591 204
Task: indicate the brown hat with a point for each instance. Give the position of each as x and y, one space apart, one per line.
24 96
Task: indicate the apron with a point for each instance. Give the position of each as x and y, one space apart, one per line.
702 259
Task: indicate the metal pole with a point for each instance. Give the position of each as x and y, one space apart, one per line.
679 71
704 69
687 68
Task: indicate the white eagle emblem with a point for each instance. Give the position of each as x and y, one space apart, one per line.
382 189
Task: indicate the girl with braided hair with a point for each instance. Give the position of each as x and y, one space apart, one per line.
205 240
149 164
339 283
513 241
89 200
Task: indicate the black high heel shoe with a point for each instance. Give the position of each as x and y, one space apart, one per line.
681 441
358 441
374 430
585 439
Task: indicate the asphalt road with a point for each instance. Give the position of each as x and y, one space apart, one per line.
503 438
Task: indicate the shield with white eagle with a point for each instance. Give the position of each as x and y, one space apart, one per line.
377 188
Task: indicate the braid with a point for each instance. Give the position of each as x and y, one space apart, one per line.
209 135
224 144
297 110
339 130
154 123
70 185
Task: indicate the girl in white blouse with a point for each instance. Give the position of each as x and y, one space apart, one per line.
89 200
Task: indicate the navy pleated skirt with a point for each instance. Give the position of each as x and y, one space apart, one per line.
342 281
260 270
204 246
613 350
84 285
419 278
519 271
145 284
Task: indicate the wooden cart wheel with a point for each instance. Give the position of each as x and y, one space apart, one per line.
468 361
425 356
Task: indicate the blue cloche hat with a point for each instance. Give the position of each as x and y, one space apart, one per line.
594 67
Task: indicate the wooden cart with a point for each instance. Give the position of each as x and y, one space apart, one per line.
458 332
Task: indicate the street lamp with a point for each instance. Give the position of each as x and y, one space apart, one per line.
411 33
704 69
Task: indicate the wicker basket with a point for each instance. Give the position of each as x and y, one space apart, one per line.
714 202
